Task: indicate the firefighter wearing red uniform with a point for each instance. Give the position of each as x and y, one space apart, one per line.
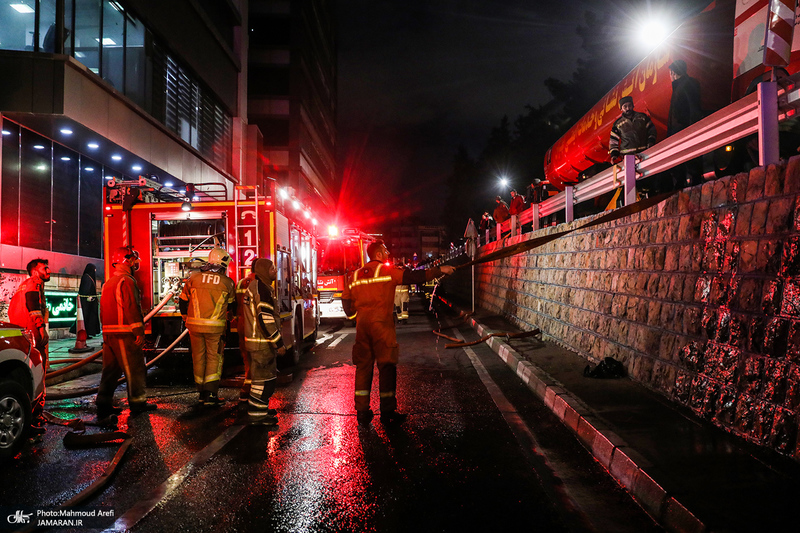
262 332
241 289
369 292
204 303
123 337
29 309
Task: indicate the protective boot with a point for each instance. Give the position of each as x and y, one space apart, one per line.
364 417
213 400
393 417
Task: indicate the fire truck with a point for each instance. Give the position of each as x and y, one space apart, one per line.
339 253
175 229
723 48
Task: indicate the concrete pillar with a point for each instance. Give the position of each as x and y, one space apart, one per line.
768 123
569 203
630 179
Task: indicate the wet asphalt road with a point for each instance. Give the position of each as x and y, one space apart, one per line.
479 452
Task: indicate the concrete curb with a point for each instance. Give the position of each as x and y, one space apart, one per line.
627 466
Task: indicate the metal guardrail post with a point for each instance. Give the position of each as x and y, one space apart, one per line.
768 123
630 179
535 217
569 203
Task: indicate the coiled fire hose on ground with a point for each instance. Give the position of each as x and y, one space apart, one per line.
98 353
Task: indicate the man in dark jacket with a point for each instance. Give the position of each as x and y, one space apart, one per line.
684 110
501 214
516 209
633 132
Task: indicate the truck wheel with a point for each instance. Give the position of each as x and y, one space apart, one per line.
15 418
297 352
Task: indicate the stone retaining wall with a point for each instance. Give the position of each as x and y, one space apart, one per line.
699 296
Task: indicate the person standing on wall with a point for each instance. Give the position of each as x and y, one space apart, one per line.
500 215
631 133
204 303
684 110
369 294
123 338
516 209
28 308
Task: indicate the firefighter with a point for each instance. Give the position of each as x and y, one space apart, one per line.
632 132
262 331
29 309
204 303
241 289
123 338
369 293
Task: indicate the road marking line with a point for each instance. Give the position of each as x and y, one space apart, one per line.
527 441
165 490
337 340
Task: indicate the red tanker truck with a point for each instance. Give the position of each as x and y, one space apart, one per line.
723 48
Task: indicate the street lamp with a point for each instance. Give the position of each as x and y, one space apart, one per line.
503 181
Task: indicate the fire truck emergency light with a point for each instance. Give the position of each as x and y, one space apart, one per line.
333 231
186 206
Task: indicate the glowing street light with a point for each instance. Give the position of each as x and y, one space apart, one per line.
503 181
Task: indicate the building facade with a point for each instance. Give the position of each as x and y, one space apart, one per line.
293 94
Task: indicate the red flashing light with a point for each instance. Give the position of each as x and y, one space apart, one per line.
333 231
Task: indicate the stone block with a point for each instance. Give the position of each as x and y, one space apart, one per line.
721 194
779 218
755 184
707 193
773 180
758 220
792 176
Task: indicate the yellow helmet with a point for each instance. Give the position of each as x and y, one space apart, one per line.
218 256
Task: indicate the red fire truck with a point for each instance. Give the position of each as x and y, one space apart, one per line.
339 253
722 46
174 229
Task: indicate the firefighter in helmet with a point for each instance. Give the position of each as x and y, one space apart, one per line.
29 309
241 289
369 292
262 331
204 303
123 338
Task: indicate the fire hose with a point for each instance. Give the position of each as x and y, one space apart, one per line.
98 353
86 392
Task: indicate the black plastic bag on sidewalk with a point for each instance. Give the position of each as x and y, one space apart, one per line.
608 368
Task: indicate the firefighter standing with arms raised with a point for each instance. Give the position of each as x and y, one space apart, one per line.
28 308
204 303
123 338
369 293
262 332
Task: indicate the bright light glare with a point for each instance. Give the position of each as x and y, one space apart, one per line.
283 193
333 231
504 181
653 32
295 204
22 8
307 214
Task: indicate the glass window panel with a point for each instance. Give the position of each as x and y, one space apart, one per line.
47 26
35 192
135 61
9 194
65 200
16 26
87 33
69 27
91 208
113 41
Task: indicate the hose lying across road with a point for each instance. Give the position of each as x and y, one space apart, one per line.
98 353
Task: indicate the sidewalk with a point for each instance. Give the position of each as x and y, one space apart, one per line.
688 474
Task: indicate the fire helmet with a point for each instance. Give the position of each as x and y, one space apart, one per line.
218 256
123 253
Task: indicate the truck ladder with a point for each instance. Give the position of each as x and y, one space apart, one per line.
247 225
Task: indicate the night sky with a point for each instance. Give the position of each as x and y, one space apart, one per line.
419 77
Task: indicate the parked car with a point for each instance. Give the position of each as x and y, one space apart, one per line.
21 386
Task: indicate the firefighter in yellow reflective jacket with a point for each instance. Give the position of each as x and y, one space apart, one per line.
204 303
369 292
123 337
241 289
262 332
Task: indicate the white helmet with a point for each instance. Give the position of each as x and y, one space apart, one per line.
218 256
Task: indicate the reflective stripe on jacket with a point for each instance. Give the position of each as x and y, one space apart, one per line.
208 294
121 304
262 320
